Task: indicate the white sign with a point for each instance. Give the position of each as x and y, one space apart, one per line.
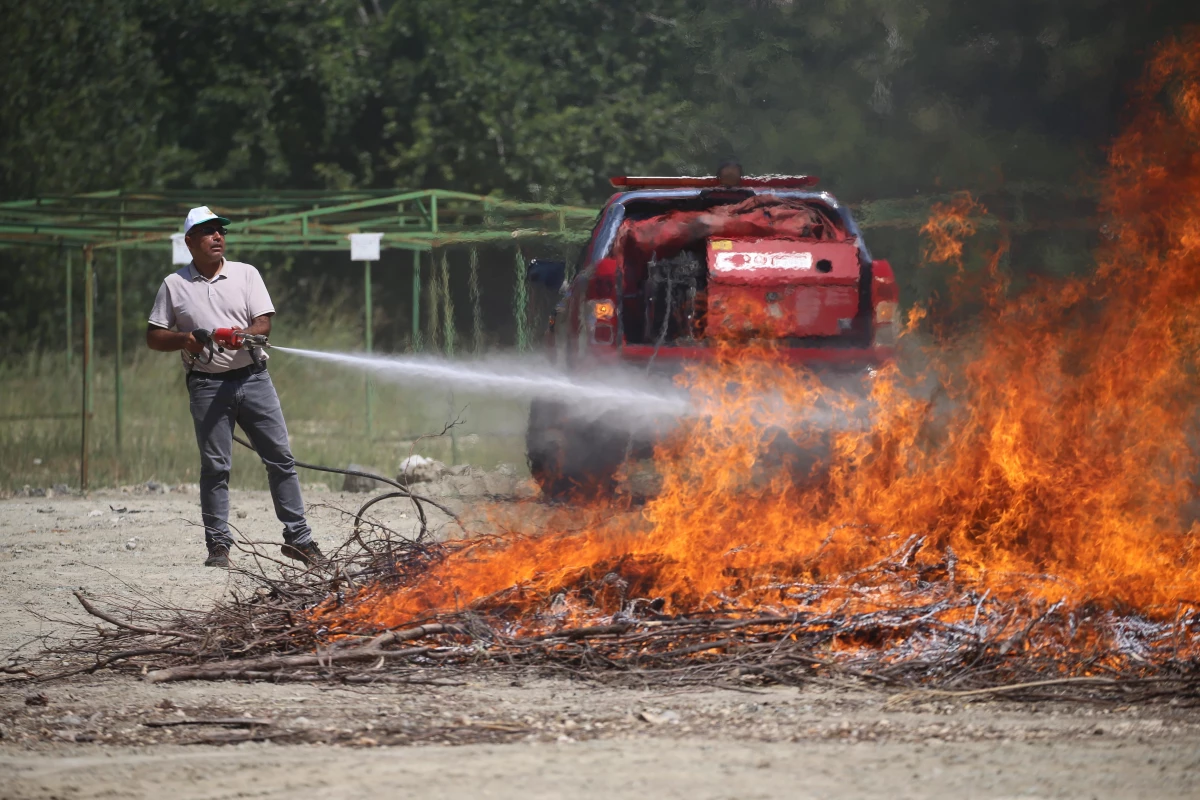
179 250
749 262
364 246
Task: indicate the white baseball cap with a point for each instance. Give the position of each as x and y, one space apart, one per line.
199 215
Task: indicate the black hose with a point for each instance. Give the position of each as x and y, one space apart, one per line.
378 498
403 490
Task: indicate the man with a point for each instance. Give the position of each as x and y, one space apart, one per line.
228 386
729 173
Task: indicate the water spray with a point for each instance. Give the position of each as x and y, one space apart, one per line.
631 393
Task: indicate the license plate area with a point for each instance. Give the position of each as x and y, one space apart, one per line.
775 288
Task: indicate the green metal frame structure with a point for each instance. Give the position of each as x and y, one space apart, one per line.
281 221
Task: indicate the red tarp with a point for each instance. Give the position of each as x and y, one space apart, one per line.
757 217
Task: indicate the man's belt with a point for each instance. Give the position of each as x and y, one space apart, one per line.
232 374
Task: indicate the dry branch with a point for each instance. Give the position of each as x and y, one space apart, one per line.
371 651
231 722
95 612
921 694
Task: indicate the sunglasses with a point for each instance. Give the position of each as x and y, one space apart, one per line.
204 231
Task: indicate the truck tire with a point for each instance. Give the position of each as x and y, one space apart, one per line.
804 465
571 459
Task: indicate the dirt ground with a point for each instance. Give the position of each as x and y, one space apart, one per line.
493 733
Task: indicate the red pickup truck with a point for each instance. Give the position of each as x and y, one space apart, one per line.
675 264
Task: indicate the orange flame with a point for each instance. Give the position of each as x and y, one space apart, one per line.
948 228
1048 455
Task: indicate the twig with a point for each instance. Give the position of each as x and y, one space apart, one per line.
95 612
1010 687
232 722
370 651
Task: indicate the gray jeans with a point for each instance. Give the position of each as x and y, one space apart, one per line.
254 405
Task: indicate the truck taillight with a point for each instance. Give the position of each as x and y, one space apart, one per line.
887 303
885 324
601 319
603 311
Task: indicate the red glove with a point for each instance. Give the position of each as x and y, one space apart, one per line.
228 338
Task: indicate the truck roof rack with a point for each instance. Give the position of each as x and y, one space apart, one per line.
711 181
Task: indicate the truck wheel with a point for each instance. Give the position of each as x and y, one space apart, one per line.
569 458
545 448
804 465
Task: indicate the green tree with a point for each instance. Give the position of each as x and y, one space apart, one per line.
888 97
80 108
535 98
260 93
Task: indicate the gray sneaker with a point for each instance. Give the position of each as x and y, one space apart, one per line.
308 552
218 557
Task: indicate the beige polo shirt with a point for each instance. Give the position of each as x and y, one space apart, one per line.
232 299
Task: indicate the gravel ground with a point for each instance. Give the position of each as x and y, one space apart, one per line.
494 733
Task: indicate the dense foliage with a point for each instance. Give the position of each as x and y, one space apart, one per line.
547 97
543 99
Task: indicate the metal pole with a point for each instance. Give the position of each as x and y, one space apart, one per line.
520 301
117 386
476 311
367 325
89 285
70 348
416 303
453 432
119 355
448 330
435 303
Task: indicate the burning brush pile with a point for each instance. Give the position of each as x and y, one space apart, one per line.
1029 522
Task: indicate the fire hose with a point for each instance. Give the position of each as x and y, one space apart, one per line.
222 339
